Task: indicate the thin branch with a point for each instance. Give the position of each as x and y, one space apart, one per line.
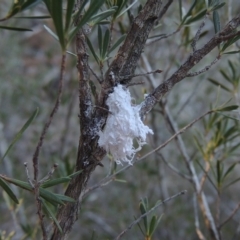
164 36
39 210
28 176
230 216
204 177
173 168
164 9
192 60
49 175
151 210
94 74
49 121
198 33
139 75
134 83
205 69
197 225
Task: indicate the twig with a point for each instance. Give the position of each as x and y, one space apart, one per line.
198 33
134 83
95 75
96 187
205 69
164 36
145 214
164 9
28 176
138 75
230 216
197 225
205 175
111 38
49 121
39 210
173 168
195 88
49 175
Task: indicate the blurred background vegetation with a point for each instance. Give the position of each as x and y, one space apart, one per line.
29 71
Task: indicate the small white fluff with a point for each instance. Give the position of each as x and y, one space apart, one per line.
122 127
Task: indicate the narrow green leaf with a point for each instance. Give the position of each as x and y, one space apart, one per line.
94 7
54 182
70 5
232 130
21 184
92 50
15 29
75 174
118 42
8 190
152 225
219 84
198 145
55 9
51 214
219 172
120 4
143 209
19 134
229 170
231 183
100 45
34 17
51 32
19 6
101 16
229 79
218 6
230 42
189 12
71 53
196 17
125 10
232 52
232 68
140 227
180 9
50 197
120 180
64 198
157 223
106 41
216 21
227 109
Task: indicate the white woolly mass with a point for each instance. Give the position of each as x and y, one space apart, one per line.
123 125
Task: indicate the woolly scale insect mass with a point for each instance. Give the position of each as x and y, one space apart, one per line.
122 127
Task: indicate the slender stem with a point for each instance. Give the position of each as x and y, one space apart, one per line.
49 121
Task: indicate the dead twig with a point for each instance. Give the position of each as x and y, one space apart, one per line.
230 216
49 121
